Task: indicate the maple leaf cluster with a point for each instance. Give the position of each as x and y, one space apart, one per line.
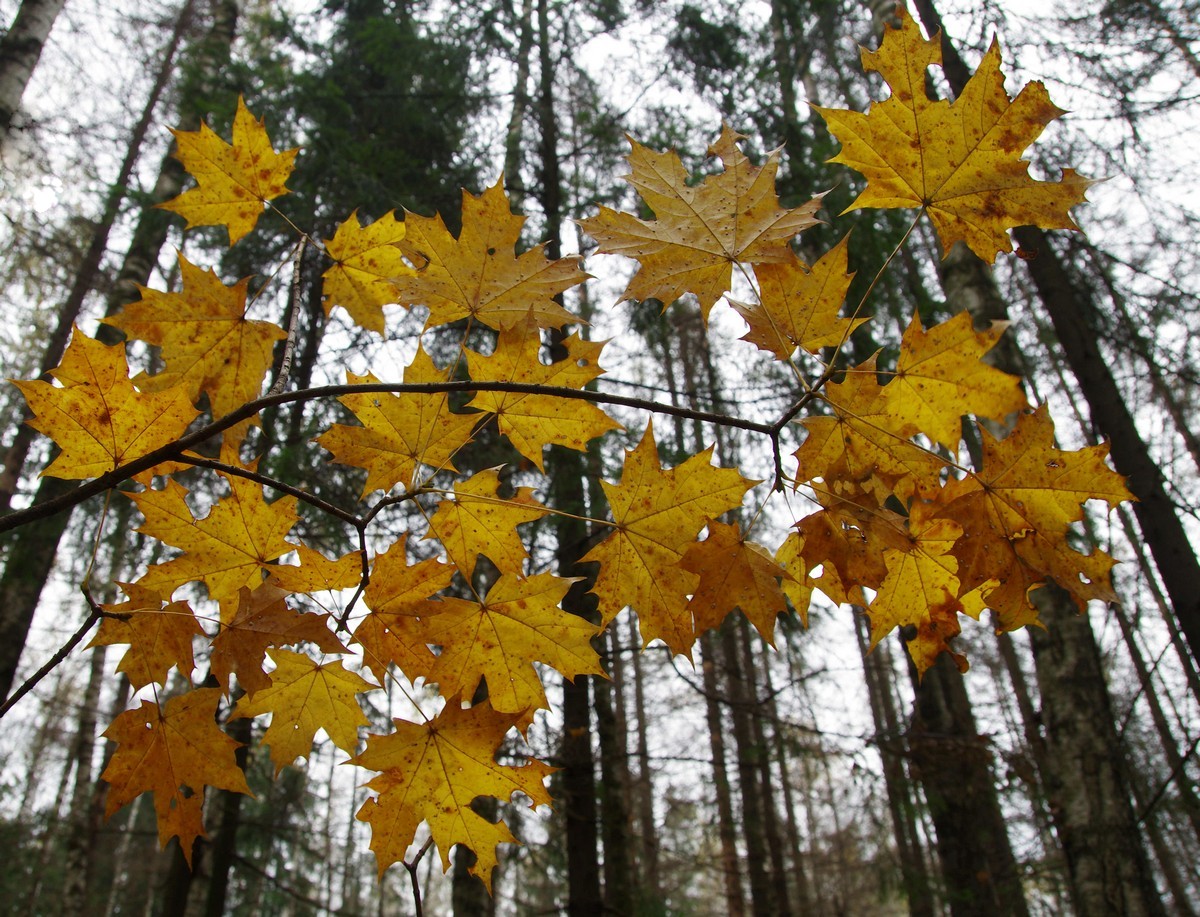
905 526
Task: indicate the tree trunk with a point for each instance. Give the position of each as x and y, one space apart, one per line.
901 806
734 895
954 764
565 469
20 48
762 901
1087 785
620 878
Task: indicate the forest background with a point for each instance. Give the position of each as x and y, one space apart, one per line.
811 779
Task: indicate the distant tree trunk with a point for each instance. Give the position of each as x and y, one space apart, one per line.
20 48
798 870
224 843
954 765
734 895
620 884
644 785
738 691
762 755
901 806
1176 763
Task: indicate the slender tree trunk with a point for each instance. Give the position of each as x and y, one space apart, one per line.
565 468
735 897
798 870
224 844
738 691
644 786
620 878
878 671
762 755
20 48
80 840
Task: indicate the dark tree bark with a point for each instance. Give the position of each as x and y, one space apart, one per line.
954 765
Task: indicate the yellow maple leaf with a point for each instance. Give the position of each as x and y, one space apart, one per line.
500 638
159 635
961 162
174 752
399 433
264 619
734 573
229 548
656 514
234 182
863 443
479 275
800 306
367 263
922 586
317 573
399 594
97 417
432 771
479 521
208 344
940 375
305 696
700 231
530 421
797 585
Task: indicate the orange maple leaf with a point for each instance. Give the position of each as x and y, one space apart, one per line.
305 696
399 433
960 162
367 264
229 548
734 573
800 306
479 275
1018 510
432 771
264 619
479 521
208 344
159 635
657 513
700 231
530 421
174 752
97 417
234 181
